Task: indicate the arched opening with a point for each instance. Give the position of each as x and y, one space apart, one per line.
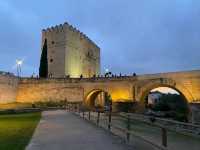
166 101
98 99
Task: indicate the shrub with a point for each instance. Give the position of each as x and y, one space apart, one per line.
61 103
175 104
124 106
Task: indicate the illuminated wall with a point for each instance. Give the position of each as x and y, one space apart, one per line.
8 89
33 90
121 89
187 83
70 52
124 89
74 90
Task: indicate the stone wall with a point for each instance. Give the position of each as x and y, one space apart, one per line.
74 90
186 82
195 109
33 90
8 88
70 52
121 89
82 55
56 42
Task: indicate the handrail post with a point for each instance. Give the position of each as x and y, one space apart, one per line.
83 114
98 116
66 104
79 111
128 127
110 116
164 137
89 115
76 107
109 120
71 108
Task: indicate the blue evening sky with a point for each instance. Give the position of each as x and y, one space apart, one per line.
142 36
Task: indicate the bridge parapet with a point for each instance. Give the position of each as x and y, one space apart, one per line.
121 87
77 80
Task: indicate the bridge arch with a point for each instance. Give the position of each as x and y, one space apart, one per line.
164 82
92 95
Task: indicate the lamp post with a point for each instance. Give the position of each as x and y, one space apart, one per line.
106 70
19 64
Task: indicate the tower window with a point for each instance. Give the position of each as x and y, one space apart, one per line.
51 60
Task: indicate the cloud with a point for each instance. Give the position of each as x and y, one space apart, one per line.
135 36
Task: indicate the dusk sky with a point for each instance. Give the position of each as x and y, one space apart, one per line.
142 36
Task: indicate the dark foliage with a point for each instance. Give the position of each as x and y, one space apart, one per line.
175 104
46 104
43 70
124 106
108 99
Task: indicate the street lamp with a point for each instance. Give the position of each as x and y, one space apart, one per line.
106 70
19 64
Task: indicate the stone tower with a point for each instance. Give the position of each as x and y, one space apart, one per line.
70 52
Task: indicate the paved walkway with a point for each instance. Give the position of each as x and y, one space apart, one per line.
60 130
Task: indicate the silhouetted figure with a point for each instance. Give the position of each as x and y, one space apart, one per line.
152 119
81 76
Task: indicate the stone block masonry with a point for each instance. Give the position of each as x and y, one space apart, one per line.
121 89
70 52
132 88
41 90
8 88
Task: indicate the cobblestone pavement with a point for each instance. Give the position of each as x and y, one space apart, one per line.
61 130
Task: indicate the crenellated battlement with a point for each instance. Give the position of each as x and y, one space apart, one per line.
63 27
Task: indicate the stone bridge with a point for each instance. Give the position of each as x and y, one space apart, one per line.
121 89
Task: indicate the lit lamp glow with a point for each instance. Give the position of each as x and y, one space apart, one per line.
19 64
107 70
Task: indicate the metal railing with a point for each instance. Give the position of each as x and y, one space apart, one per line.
105 120
170 125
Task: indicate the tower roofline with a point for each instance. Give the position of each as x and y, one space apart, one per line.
61 27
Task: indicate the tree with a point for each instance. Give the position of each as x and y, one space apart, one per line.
108 99
43 70
174 103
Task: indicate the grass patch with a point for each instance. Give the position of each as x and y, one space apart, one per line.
17 130
15 106
46 104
